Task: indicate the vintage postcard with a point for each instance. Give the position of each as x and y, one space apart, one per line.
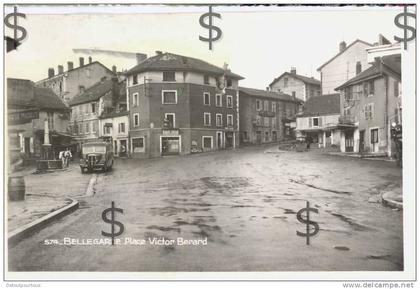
209 141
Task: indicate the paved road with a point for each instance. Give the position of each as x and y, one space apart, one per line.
244 202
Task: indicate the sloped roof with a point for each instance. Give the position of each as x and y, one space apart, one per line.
341 52
376 70
74 69
322 105
267 94
24 94
305 79
174 62
113 114
45 98
96 91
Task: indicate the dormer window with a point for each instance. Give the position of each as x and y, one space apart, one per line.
135 79
229 82
168 76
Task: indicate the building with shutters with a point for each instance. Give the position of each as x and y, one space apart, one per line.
371 101
96 113
181 105
319 119
266 116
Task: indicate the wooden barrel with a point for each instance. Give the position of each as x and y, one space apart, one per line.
16 189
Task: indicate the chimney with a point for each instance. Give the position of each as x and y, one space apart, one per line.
158 52
90 59
293 70
140 57
114 69
343 46
60 69
69 65
382 40
81 61
50 72
267 88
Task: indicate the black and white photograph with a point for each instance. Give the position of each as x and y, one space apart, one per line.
209 141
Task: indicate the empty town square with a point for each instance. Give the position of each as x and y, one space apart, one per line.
229 210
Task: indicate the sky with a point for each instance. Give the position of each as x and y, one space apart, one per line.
258 43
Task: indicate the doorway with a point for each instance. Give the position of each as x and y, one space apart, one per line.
123 148
219 139
362 141
170 146
27 147
349 141
229 139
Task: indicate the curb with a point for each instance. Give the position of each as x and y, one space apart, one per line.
24 231
391 203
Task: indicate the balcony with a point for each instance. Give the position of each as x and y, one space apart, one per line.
347 121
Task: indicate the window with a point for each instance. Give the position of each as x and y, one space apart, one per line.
273 106
229 101
88 73
171 119
315 121
258 104
294 94
266 122
219 119
137 145
107 128
229 82
207 119
274 122
207 142
121 127
265 105
396 88
93 107
229 120
206 98
371 87
374 136
206 79
87 108
218 100
87 128
358 67
286 80
136 119
135 99
369 111
94 127
168 76
169 97
135 79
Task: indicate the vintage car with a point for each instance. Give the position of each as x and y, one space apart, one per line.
96 155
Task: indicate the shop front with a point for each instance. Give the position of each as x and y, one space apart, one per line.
170 142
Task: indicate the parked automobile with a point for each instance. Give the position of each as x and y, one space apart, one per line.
96 155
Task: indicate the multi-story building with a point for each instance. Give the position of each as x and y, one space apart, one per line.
265 116
114 128
179 105
319 120
296 85
67 84
28 107
371 101
94 106
347 63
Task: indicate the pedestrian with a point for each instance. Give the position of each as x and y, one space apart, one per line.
62 158
308 141
122 150
67 156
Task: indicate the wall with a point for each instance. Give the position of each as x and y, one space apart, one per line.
293 84
343 67
70 81
302 123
